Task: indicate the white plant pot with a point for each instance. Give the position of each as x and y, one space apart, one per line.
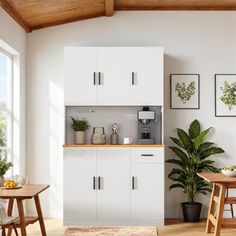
79 137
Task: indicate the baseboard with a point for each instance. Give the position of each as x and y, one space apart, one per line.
173 221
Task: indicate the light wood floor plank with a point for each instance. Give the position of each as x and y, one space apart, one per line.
55 227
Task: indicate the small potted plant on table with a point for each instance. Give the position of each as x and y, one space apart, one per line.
5 165
79 126
192 153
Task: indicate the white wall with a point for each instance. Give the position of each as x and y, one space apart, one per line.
194 42
13 39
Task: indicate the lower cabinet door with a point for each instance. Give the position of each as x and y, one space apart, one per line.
147 194
79 192
113 196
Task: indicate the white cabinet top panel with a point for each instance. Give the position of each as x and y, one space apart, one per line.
117 49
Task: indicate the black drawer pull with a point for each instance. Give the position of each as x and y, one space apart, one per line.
147 155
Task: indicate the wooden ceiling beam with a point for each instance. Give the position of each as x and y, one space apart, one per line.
181 5
37 14
14 14
176 8
69 20
109 7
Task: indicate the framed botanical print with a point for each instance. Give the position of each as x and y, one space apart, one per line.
225 95
184 91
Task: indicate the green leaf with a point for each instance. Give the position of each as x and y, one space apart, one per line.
194 129
179 179
204 189
185 139
211 151
204 146
177 141
178 176
176 172
195 159
179 153
176 186
206 162
211 168
199 139
200 183
176 162
203 192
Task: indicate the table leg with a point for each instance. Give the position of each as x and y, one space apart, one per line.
210 210
40 215
9 213
220 210
10 206
21 217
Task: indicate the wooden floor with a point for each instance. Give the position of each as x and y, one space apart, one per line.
173 228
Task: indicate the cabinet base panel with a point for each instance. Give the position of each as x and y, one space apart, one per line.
77 222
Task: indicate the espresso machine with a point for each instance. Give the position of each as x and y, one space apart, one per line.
146 126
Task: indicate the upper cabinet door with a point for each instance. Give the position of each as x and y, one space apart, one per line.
147 78
114 82
79 81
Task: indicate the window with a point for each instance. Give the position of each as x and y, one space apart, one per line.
6 104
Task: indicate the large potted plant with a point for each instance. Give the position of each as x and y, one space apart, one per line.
192 157
79 126
5 165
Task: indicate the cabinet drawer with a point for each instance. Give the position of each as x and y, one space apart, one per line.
147 155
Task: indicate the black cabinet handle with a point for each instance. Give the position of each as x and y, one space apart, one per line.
147 155
132 182
94 78
94 182
134 78
99 78
99 183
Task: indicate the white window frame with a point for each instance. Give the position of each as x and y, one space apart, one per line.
9 147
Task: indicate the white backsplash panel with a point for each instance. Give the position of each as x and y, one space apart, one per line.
105 116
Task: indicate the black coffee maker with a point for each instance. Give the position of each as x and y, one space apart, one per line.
146 124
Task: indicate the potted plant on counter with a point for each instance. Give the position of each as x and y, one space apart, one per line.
5 165
79 126
192 157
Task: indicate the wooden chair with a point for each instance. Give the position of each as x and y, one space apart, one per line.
227 201
7 221
230 202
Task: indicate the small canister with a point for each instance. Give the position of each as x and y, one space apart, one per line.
114 138
114 135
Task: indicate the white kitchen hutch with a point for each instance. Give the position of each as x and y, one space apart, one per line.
112 185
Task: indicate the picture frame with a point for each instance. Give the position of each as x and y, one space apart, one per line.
185 91
225 95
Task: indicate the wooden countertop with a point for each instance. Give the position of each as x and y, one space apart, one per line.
112 145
